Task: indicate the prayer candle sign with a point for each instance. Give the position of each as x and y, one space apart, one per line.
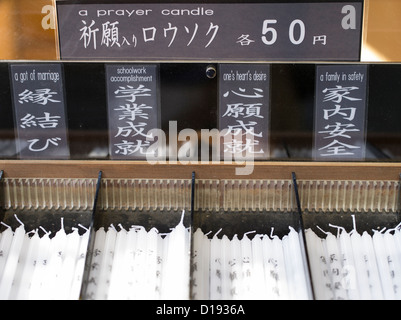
340 112
232 31
133 108
39 109
244 107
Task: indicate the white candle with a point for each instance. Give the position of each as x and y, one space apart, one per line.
215 268
336 267
383 267
97 254
278 256
397 237
236 269
127 287
56 256
118 272
105 264
300 273
22 264
22 292
80 265
259 290
374 277
205 266
38 291
397 248
290 265
67 270
5 245
349 270
197 271
139 265
247 267
175 282
151 265
225 268
393 259
361 266
318 262
12 261
161 243
187 263
269 264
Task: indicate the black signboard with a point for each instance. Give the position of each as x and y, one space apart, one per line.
234 31
39 109
340 112
133 108
244 110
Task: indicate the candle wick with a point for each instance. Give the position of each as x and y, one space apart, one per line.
182 217
353 224
394 229
18 220
80 225
218 232
325 232
6 225
249 232
44 230
271 233
338 229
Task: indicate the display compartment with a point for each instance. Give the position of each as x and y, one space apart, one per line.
141 241
352 238
45 236
238 206
250 235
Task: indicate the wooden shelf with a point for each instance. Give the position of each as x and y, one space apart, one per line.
15 169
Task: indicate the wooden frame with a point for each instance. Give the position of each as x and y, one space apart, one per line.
15 169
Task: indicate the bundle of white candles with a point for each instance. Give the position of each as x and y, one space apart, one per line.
34 267
265 267
135 264
352 266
